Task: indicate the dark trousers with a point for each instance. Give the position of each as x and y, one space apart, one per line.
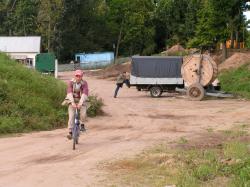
118 86
127 82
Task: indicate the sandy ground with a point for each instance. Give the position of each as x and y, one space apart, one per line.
133 121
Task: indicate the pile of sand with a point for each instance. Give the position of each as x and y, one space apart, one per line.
175 48
116 69
235 61
111 72
217 58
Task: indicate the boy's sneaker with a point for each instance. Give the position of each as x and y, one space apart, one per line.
82 128
69 136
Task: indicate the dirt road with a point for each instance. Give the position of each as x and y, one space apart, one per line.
133 121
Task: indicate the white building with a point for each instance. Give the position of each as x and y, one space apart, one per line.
21 48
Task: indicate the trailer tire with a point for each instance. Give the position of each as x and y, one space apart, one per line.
195 92
138 88
155 91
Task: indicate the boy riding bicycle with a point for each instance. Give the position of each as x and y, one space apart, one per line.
77 94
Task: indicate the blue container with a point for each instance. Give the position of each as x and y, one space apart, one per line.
94 60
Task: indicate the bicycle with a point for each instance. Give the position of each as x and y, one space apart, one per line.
76 129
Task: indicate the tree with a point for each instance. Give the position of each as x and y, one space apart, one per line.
21 17
191 18
237 20
83 28
49 14
132 24
214 24
175 21
3 15
203 34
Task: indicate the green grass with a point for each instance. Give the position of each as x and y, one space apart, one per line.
228 165
29 100
210 130
237 81
182 140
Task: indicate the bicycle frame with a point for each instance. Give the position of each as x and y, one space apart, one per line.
76 128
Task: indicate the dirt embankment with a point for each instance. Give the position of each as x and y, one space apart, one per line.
111 72
174 50
235 61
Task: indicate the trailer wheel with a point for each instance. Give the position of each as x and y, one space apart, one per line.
195 92
155 91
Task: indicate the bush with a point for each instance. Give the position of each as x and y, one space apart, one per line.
11 125
3 90
95 106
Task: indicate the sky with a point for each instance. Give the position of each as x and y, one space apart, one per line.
248 18
247 14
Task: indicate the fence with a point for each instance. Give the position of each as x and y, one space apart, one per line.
67 67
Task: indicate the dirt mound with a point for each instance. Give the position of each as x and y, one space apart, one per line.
217 58
111 71
175 48
235 61
115 70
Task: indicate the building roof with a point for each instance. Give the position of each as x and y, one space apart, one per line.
20 44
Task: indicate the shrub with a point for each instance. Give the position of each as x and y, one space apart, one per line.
95 106
11 125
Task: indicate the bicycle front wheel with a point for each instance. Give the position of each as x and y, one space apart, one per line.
74 144
75 136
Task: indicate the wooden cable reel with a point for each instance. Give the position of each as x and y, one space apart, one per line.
198 71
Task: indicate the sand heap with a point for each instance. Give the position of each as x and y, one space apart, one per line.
217 58
111 72
116 69
235 61
175 48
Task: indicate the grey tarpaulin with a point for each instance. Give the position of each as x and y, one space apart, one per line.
156 67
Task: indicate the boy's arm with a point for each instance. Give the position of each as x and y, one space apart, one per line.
70 92
85 93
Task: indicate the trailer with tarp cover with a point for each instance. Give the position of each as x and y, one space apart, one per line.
156 74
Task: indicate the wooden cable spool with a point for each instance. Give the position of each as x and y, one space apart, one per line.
200 69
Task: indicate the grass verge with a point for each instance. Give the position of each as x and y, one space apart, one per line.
237 81
223 163
29 100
